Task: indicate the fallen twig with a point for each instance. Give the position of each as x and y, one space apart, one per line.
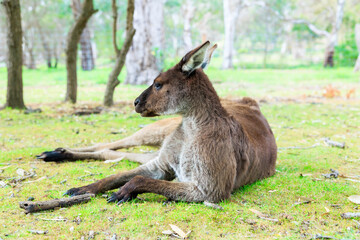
349 215
37 180
54 219
88 175
352 180
334 143
38 232
269 219
333 174
55 203
295 147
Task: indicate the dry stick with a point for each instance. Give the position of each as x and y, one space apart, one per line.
350 215
283 148
55 203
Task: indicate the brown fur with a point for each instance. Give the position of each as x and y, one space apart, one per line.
212 152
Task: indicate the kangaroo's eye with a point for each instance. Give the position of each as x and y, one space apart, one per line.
158 86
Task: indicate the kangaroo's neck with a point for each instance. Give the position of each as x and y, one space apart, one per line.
203 102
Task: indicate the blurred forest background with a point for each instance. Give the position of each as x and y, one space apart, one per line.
250 34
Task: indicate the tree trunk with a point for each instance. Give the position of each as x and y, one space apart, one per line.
231 11
330 49
14 97
188 14
87 57
73 38
357 39
29 62
113 80
46 47
144 59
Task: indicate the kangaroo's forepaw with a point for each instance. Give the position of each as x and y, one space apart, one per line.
121 197
58 155
79 191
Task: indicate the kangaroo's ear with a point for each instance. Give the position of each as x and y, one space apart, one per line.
208 55
195 58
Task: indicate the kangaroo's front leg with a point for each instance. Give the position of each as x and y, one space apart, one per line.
179 191
151 170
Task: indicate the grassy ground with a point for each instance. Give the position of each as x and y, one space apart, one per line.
291 100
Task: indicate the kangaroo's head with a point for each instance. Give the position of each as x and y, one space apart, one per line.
168 93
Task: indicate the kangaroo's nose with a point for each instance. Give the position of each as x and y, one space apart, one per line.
137 101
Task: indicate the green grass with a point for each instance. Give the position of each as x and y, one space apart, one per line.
293 104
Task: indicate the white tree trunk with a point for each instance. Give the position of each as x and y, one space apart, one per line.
357 38
329 54
144 59
231 11
188 10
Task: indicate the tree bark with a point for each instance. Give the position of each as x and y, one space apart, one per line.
113 80
87 57
14 97
73 38
144 59
357 39
330 49
231 12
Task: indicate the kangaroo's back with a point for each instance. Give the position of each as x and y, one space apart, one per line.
261 146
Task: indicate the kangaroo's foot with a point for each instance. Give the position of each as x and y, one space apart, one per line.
58 155
81 190
126 193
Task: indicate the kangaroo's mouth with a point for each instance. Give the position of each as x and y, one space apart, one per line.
147 113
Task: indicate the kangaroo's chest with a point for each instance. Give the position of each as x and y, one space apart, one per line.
186 164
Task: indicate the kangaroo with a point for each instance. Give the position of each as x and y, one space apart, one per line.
211 152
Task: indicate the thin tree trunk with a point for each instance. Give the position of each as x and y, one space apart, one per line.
231 12
113 80
73 38
114 28
29 57
87 57
330 49
357 39
144 59
46 47
14 97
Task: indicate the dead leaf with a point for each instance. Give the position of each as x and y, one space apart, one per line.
331 92
213 205
21 172
271 191
178 231
167 232
3 184
355 199
350 92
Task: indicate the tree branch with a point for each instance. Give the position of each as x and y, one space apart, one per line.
115 17
55 203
